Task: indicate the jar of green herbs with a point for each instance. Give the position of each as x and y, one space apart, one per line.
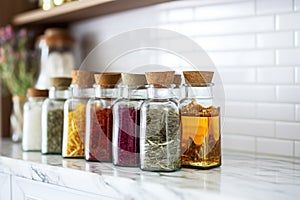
53 115
160 133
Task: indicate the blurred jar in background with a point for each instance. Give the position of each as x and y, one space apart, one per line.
48 4
55 48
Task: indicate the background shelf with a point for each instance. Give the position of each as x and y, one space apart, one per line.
78 10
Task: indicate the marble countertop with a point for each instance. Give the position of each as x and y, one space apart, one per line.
241 176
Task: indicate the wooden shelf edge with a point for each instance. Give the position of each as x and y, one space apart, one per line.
78 10
40 15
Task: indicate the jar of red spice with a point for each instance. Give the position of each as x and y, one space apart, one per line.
99 118
126 113
75 113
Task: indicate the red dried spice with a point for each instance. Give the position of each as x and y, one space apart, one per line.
100 140
128 136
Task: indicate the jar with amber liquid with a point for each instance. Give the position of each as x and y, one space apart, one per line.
200 127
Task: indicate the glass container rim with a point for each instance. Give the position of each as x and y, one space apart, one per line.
161 86
198 84
130 87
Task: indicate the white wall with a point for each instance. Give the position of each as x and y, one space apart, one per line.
255 45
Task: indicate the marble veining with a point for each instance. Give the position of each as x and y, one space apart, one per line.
241 176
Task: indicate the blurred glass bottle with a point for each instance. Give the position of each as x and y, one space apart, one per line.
55 49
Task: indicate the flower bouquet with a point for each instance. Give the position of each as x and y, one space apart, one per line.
18 71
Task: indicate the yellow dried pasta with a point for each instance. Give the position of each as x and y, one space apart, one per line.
75 143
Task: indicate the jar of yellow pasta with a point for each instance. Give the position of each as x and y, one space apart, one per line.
75 113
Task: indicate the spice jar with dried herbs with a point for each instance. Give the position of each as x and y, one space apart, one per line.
32 119
75 113
126 114
160 125
99 118
53 115
200 123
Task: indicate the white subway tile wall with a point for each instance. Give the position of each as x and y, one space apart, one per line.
275 146
297 38
288 130
250 127
288 56
288 21
297 75
297 112
273 6
276 111
297 5
239 143
297 149
274 75
255 44
275 40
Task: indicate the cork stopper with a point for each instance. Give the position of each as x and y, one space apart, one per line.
198 77
108 80
60 81
57 37
84 79
134 79
177 80
33 92
160 78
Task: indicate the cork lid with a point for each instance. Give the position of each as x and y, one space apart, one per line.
160 78
84 79
108 79
60 81
134 79
57 37
33 92
198 77
177 80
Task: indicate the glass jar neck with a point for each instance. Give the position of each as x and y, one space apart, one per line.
160 91
35 99
104 92
59 93
203 91
133 92
84 93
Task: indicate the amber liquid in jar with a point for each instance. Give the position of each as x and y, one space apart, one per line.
201 146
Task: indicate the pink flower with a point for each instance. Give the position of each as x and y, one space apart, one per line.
23 32
9 33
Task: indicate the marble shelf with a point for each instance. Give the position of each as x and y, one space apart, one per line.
241 176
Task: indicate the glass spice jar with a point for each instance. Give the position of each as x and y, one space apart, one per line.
126 127
55 49
160 128
98 146
32 119
53 116
75 114
200 127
